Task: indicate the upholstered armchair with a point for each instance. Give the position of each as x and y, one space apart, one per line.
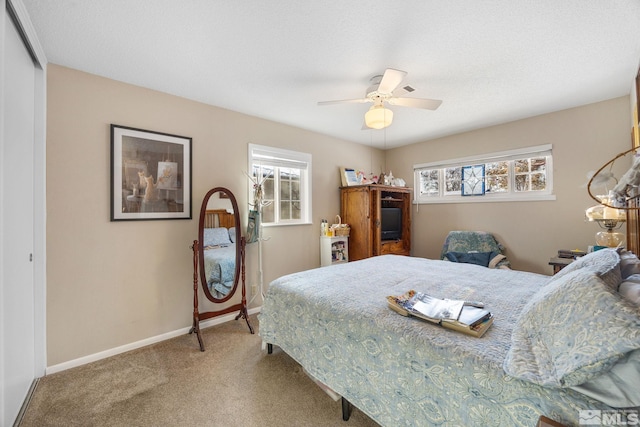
474 247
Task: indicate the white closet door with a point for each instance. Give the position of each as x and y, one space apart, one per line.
17 228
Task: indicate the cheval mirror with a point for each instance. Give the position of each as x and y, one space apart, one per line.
218 258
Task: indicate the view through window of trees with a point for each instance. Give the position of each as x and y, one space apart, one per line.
523 174
285 184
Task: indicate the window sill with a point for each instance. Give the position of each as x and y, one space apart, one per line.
486 199
285 224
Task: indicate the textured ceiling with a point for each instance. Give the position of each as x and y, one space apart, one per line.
490 61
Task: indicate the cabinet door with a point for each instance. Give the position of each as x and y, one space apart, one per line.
376 222
354 210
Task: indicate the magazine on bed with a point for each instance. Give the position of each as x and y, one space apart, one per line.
451 314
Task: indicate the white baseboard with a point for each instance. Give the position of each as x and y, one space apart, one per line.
142 343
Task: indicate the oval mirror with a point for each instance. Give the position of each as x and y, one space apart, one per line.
218 254
219 235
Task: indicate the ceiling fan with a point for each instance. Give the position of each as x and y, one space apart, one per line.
386 88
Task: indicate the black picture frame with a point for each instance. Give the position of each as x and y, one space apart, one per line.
150 175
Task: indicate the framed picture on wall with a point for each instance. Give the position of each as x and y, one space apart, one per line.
150 175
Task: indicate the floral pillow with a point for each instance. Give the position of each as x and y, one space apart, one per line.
605 263
574 329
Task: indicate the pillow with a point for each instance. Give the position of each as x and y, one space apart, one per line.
232 234
478 258
605 263
216 236
572 330
618 388
630 289
629 264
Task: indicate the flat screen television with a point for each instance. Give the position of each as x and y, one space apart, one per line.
391 223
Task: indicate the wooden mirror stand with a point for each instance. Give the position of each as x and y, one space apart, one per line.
218 258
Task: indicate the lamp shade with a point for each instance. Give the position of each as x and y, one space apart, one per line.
609 219
378 117
602 212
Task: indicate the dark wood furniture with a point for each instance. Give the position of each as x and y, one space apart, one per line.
633 226
361 208
548 422
633 214
212 219
559 263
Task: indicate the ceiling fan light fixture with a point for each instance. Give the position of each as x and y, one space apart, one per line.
378 117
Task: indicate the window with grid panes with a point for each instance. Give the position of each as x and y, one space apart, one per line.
522 174
286 187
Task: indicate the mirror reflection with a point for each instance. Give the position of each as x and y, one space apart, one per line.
219 251
219 235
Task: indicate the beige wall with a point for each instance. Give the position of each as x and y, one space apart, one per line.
114 283
583 140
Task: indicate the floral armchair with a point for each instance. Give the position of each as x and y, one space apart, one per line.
474 247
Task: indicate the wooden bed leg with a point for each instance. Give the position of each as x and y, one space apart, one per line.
269 348
346 409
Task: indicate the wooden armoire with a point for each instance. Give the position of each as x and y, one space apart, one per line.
361 206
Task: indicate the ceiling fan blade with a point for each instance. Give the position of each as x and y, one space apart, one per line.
345 101
390 80
427 104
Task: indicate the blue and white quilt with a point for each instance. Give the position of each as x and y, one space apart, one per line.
402 371
220 268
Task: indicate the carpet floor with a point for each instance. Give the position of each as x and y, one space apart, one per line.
172 383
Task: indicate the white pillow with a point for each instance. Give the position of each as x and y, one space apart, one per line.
619 387
630 289
629 264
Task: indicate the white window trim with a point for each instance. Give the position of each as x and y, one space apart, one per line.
539 150
285 158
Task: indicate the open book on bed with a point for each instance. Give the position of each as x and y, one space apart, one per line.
451 314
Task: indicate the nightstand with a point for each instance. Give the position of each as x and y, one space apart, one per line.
559 263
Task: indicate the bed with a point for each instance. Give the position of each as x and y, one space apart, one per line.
543 355
219 251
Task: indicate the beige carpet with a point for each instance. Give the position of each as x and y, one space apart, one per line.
172 383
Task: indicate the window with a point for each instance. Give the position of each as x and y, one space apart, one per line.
286 184
522 174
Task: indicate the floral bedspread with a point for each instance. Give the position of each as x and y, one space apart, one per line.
220 268
403 371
